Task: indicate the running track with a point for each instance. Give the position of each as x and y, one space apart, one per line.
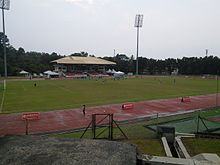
64 120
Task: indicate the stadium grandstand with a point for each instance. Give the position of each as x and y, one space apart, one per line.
75 66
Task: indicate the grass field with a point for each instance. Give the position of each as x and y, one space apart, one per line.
201 145
147 141
48 95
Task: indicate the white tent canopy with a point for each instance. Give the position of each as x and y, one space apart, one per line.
23 72
109 71
49 72
113 71
119 74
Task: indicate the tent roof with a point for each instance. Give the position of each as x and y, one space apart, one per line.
83 60
49 72
109 71
23 72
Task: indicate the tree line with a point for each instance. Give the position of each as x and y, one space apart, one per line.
185 66
38 62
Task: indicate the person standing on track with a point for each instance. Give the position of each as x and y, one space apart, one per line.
84 110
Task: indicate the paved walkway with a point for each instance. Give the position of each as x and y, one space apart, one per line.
12 124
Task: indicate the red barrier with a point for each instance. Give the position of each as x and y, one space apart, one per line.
185 99
127 106
31 116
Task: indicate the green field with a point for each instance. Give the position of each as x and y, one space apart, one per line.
146 139
201 145
48 95
59 94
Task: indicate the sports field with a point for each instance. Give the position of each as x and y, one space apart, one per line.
48 95
147 140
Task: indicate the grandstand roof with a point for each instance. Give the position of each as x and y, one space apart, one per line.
83 60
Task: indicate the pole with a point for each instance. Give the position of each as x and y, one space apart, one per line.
26 125
198 117
206 52
94 126
217 91
137 50
157 122
109 127
4 45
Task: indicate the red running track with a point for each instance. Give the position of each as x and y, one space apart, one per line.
63 120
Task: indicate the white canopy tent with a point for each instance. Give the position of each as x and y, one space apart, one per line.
113 71
23 72
118 74
109 71
51 73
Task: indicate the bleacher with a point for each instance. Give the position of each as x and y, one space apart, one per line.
81 75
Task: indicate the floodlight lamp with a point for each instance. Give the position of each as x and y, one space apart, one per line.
5 4
139 20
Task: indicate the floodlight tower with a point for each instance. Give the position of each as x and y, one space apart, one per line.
4 5
206 52
217 89
138 24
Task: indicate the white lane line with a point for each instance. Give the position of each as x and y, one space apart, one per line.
2 102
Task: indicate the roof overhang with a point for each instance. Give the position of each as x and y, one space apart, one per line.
75 60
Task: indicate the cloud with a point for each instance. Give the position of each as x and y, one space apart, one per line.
86 3
82 3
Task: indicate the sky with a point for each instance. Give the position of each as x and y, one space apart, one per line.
171 28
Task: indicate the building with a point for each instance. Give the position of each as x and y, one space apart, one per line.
78 65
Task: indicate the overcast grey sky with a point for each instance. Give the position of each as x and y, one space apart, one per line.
172 28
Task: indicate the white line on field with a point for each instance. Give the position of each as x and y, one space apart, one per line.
2 102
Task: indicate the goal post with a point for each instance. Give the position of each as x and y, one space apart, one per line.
105 121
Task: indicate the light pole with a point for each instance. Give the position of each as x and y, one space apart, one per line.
217 89
138 24
4 5
206 52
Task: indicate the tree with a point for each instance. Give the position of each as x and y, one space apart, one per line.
122 57
81 54
1 51
2 39
37 62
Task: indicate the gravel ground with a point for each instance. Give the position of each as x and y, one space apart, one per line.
39 150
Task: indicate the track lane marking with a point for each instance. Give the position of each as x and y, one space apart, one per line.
2 102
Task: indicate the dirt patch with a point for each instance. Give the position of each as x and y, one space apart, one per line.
35 150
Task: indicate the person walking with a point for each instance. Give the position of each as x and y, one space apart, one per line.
84 110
